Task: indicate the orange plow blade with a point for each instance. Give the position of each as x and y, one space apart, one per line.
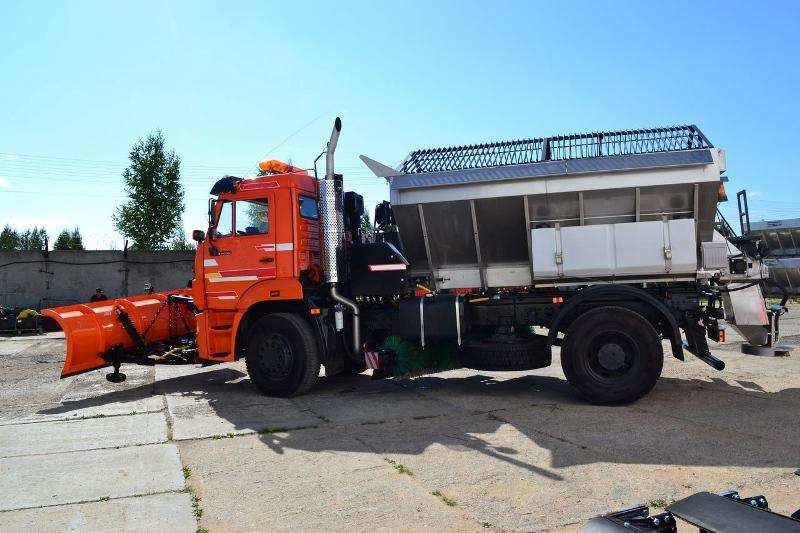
92 330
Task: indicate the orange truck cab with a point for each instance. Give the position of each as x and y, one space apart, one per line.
263 237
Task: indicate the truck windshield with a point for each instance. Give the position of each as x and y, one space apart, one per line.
252 217
224 225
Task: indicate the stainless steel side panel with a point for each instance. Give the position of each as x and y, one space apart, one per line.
612 250
746 312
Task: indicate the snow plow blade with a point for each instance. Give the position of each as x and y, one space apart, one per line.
92 330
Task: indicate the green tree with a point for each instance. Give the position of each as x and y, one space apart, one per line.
63 241
152 214
180 244
69 240
32 239
366 226
77 240
9 239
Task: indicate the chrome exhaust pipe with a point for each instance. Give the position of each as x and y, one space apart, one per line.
334 140
356 317
331 199
330 207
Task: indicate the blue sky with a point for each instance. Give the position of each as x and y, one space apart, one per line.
229 82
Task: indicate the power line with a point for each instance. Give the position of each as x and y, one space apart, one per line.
285 141
11 157
82 194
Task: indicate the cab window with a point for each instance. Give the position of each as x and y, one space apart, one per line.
308 208
224 226
252 217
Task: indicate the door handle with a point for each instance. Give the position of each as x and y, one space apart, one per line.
266 260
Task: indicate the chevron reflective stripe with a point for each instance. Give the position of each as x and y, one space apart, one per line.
372 359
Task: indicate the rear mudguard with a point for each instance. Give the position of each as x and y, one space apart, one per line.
93 329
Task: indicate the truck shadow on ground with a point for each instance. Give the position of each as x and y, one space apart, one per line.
531 422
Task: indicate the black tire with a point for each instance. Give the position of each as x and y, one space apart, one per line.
282 357
524 354
612 355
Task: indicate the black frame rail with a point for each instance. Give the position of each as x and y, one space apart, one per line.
556 148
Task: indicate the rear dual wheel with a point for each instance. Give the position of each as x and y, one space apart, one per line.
612 355
282 357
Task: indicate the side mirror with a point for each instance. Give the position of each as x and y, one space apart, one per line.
198 235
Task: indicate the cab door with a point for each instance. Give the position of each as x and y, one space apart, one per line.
242 251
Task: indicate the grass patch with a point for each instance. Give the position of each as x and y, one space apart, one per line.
197 511
400 467
105 498
282 429
187 472
661 503
201 529
772 300
85 417
487 525
279 429
447 501
226 436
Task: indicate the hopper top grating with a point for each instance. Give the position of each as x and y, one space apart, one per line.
556 148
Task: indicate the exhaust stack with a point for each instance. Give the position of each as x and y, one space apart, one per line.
330 196
331 209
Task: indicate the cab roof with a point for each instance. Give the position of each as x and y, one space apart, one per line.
279 175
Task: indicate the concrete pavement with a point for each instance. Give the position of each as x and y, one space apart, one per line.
182 448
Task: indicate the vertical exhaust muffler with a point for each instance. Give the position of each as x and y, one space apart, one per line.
332 215
331 211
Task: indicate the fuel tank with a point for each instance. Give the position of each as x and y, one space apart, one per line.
93 329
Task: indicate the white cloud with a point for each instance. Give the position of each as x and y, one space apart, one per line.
4 183
8 157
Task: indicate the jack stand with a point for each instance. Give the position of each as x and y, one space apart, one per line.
116 376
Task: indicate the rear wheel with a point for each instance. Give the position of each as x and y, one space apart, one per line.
282 357
612 355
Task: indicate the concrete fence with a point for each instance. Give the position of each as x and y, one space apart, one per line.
38 279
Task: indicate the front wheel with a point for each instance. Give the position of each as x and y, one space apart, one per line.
282 357
612 355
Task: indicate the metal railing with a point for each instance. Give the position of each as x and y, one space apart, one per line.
723 227
556 148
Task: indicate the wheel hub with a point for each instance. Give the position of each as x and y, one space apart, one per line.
611 356
276 355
